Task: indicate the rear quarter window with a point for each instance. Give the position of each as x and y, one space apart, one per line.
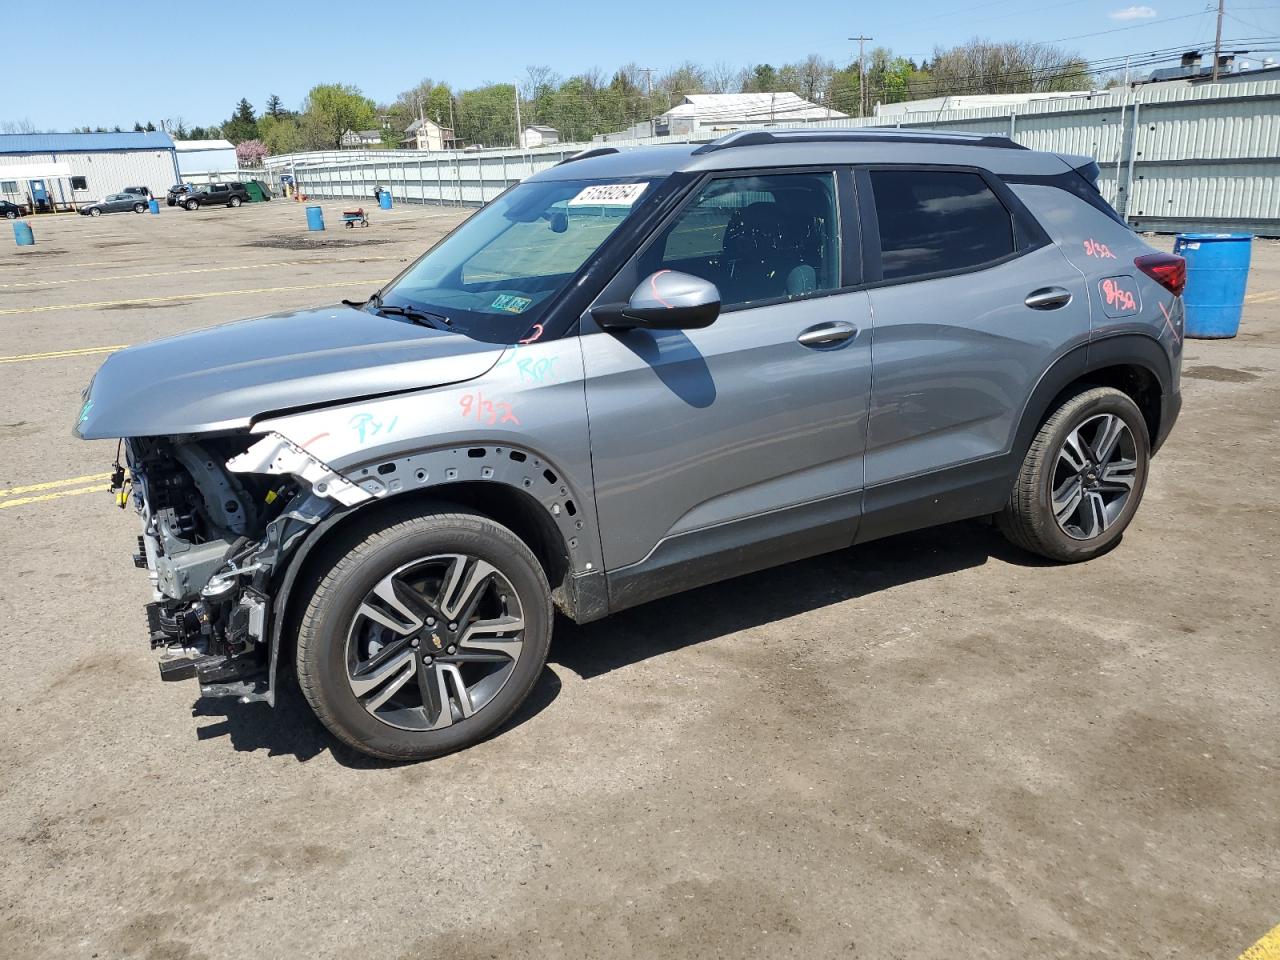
938 221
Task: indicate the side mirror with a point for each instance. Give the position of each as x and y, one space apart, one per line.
665 300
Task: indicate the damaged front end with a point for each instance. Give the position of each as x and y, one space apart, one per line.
220 516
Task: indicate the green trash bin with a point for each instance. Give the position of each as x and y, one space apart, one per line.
255 191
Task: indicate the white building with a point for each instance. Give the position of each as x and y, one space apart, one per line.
362 138
707 111
61 170
429 135
205 156
973 101
537 135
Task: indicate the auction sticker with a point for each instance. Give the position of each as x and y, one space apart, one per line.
510 303
609 195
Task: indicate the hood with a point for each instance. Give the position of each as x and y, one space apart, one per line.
224 377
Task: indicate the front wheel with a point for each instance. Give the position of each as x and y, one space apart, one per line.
1082 479
11 215
424 634
191 204
95 212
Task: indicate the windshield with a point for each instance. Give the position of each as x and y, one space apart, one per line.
496 275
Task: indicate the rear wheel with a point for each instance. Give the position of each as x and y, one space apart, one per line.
1082 479
424 635
95 212
11 214
139 208
233 202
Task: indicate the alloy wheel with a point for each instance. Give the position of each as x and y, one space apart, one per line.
1093 476
434 641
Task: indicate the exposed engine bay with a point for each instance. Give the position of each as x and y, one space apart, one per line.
211 540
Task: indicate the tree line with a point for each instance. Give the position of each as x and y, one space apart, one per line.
593 102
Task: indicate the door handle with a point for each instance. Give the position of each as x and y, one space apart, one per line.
827 334
1048 298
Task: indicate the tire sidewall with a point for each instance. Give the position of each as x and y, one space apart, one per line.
323 657
1092 404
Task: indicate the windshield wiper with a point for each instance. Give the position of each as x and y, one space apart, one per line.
420 317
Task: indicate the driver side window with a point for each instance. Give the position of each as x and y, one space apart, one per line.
757 238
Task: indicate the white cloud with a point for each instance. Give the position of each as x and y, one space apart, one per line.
1133 13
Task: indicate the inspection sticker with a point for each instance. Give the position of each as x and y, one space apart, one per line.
609 195
510 303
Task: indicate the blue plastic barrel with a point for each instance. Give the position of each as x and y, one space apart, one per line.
153 206
1217 271
23 235
315 218
384 199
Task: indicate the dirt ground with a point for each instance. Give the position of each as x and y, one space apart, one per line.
929 747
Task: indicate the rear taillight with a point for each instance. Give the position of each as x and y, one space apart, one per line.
1166 269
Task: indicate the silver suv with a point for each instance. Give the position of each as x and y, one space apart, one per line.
633 374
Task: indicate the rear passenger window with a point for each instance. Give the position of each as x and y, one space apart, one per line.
756 238
934 221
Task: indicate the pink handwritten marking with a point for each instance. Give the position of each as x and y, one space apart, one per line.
653 284
1095 249
487 411
318 436
1116 294
538 332
1168 322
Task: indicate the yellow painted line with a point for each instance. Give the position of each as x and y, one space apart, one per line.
49 485
178 273
185 296
54 354
1268 948
21 501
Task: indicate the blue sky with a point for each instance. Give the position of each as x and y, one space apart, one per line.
93 72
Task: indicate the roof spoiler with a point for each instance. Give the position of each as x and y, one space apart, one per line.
587 154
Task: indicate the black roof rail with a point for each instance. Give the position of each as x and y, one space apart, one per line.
593 152
753 138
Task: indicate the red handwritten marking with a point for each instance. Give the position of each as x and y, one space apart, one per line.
318 436
1168 322
653 284
538 328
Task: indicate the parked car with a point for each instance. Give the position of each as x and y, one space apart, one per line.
11 211
633 374
218 195
177 193
143 192
116 203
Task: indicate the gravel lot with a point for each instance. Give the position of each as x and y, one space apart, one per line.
928 747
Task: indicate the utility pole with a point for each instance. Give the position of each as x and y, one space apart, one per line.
648 76
519 126
862 72
1217 42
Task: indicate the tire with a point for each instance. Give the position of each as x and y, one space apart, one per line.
95 212
191 205
1065 462
335 649
171 203
10 215
233 202
139 208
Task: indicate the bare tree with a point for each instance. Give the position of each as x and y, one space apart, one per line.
17 126
723 77
983 66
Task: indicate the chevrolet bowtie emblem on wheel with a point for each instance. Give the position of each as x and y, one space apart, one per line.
435 640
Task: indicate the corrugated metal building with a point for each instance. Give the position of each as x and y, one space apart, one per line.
99 164
205 156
